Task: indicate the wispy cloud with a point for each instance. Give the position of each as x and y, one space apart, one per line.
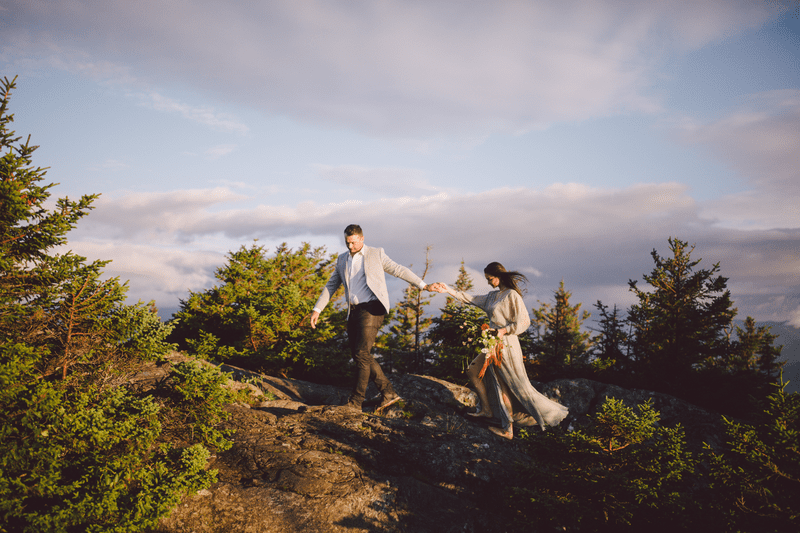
761 139
760 142
221 150
388 181
18 55
201 114
794 319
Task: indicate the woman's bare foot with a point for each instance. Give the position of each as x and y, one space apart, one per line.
481 414
508 434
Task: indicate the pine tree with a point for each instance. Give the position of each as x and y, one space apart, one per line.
463 282
755 474
407 346
76 454
753 351
559 343
32 281
680 323
619 470
257 315
451 333
611 342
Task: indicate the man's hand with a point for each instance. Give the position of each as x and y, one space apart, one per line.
314 318
436 287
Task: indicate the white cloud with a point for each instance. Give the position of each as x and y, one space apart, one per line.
394 68
165 275
794 318
755 209
159 217
554 213
760 141
594 239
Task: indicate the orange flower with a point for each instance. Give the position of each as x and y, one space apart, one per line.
492 347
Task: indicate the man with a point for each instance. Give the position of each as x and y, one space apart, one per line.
362 273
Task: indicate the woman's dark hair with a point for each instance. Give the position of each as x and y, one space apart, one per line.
507 279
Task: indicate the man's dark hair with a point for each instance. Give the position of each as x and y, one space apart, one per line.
353 229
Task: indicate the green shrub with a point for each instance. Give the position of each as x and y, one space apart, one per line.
621 471
76 454
755 475
454 340
88 461
257 317
196 397
141 332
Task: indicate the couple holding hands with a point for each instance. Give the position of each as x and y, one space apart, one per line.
504 390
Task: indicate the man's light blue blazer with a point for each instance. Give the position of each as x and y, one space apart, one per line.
376 262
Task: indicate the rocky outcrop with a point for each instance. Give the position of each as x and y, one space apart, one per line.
301 463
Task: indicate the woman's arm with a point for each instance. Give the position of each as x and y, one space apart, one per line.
463 297
519 319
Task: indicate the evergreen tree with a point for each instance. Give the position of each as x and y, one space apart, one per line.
32 280
407 346
75 453
753 351
452 333
610 347
463 283
257 315
621 470
755 474
559 344
680 322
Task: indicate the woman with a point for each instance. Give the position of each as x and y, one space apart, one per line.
506 388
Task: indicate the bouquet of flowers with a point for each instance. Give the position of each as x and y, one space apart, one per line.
491 345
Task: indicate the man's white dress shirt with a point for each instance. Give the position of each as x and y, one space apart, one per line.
359 291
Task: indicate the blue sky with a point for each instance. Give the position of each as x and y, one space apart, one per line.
566 140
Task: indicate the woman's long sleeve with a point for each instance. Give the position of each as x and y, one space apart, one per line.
463 297
521 320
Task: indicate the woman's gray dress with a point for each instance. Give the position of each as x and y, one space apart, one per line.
506 309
